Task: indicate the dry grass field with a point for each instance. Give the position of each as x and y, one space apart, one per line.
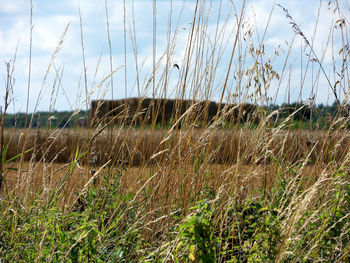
151 182
226 190
145 146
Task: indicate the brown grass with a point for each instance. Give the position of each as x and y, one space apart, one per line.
257 192
44 177
170 167
191 160
138 147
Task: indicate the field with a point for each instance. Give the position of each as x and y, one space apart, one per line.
237 188
162 193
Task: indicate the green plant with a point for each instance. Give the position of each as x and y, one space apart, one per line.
197 237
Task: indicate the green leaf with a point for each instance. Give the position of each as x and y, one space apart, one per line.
18 155
263 209
3 154
77 157
335 85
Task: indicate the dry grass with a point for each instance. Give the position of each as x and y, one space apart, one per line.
219 193
241 160
138 147
43 177
191 158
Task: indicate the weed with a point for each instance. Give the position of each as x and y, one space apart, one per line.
209 169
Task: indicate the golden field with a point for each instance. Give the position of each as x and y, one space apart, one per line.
194 158
157 179
250 168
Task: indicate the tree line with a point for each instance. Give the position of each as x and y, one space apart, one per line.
44 119
320 114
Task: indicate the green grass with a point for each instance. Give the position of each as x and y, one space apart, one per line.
286 222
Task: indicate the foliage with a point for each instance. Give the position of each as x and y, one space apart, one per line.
197 239
86 233
321 115
47 119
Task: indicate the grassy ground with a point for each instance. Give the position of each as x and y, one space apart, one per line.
255 192
190 204
145 146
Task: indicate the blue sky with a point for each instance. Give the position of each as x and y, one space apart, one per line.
50 19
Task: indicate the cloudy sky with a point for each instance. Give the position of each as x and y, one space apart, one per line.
57 75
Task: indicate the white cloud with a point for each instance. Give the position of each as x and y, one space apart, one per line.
13 7
11 36
51 17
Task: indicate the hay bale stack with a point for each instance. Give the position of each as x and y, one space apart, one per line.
165 111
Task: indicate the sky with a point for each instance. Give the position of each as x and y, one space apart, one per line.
57 76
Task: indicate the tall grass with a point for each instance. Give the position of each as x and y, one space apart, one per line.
219 191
